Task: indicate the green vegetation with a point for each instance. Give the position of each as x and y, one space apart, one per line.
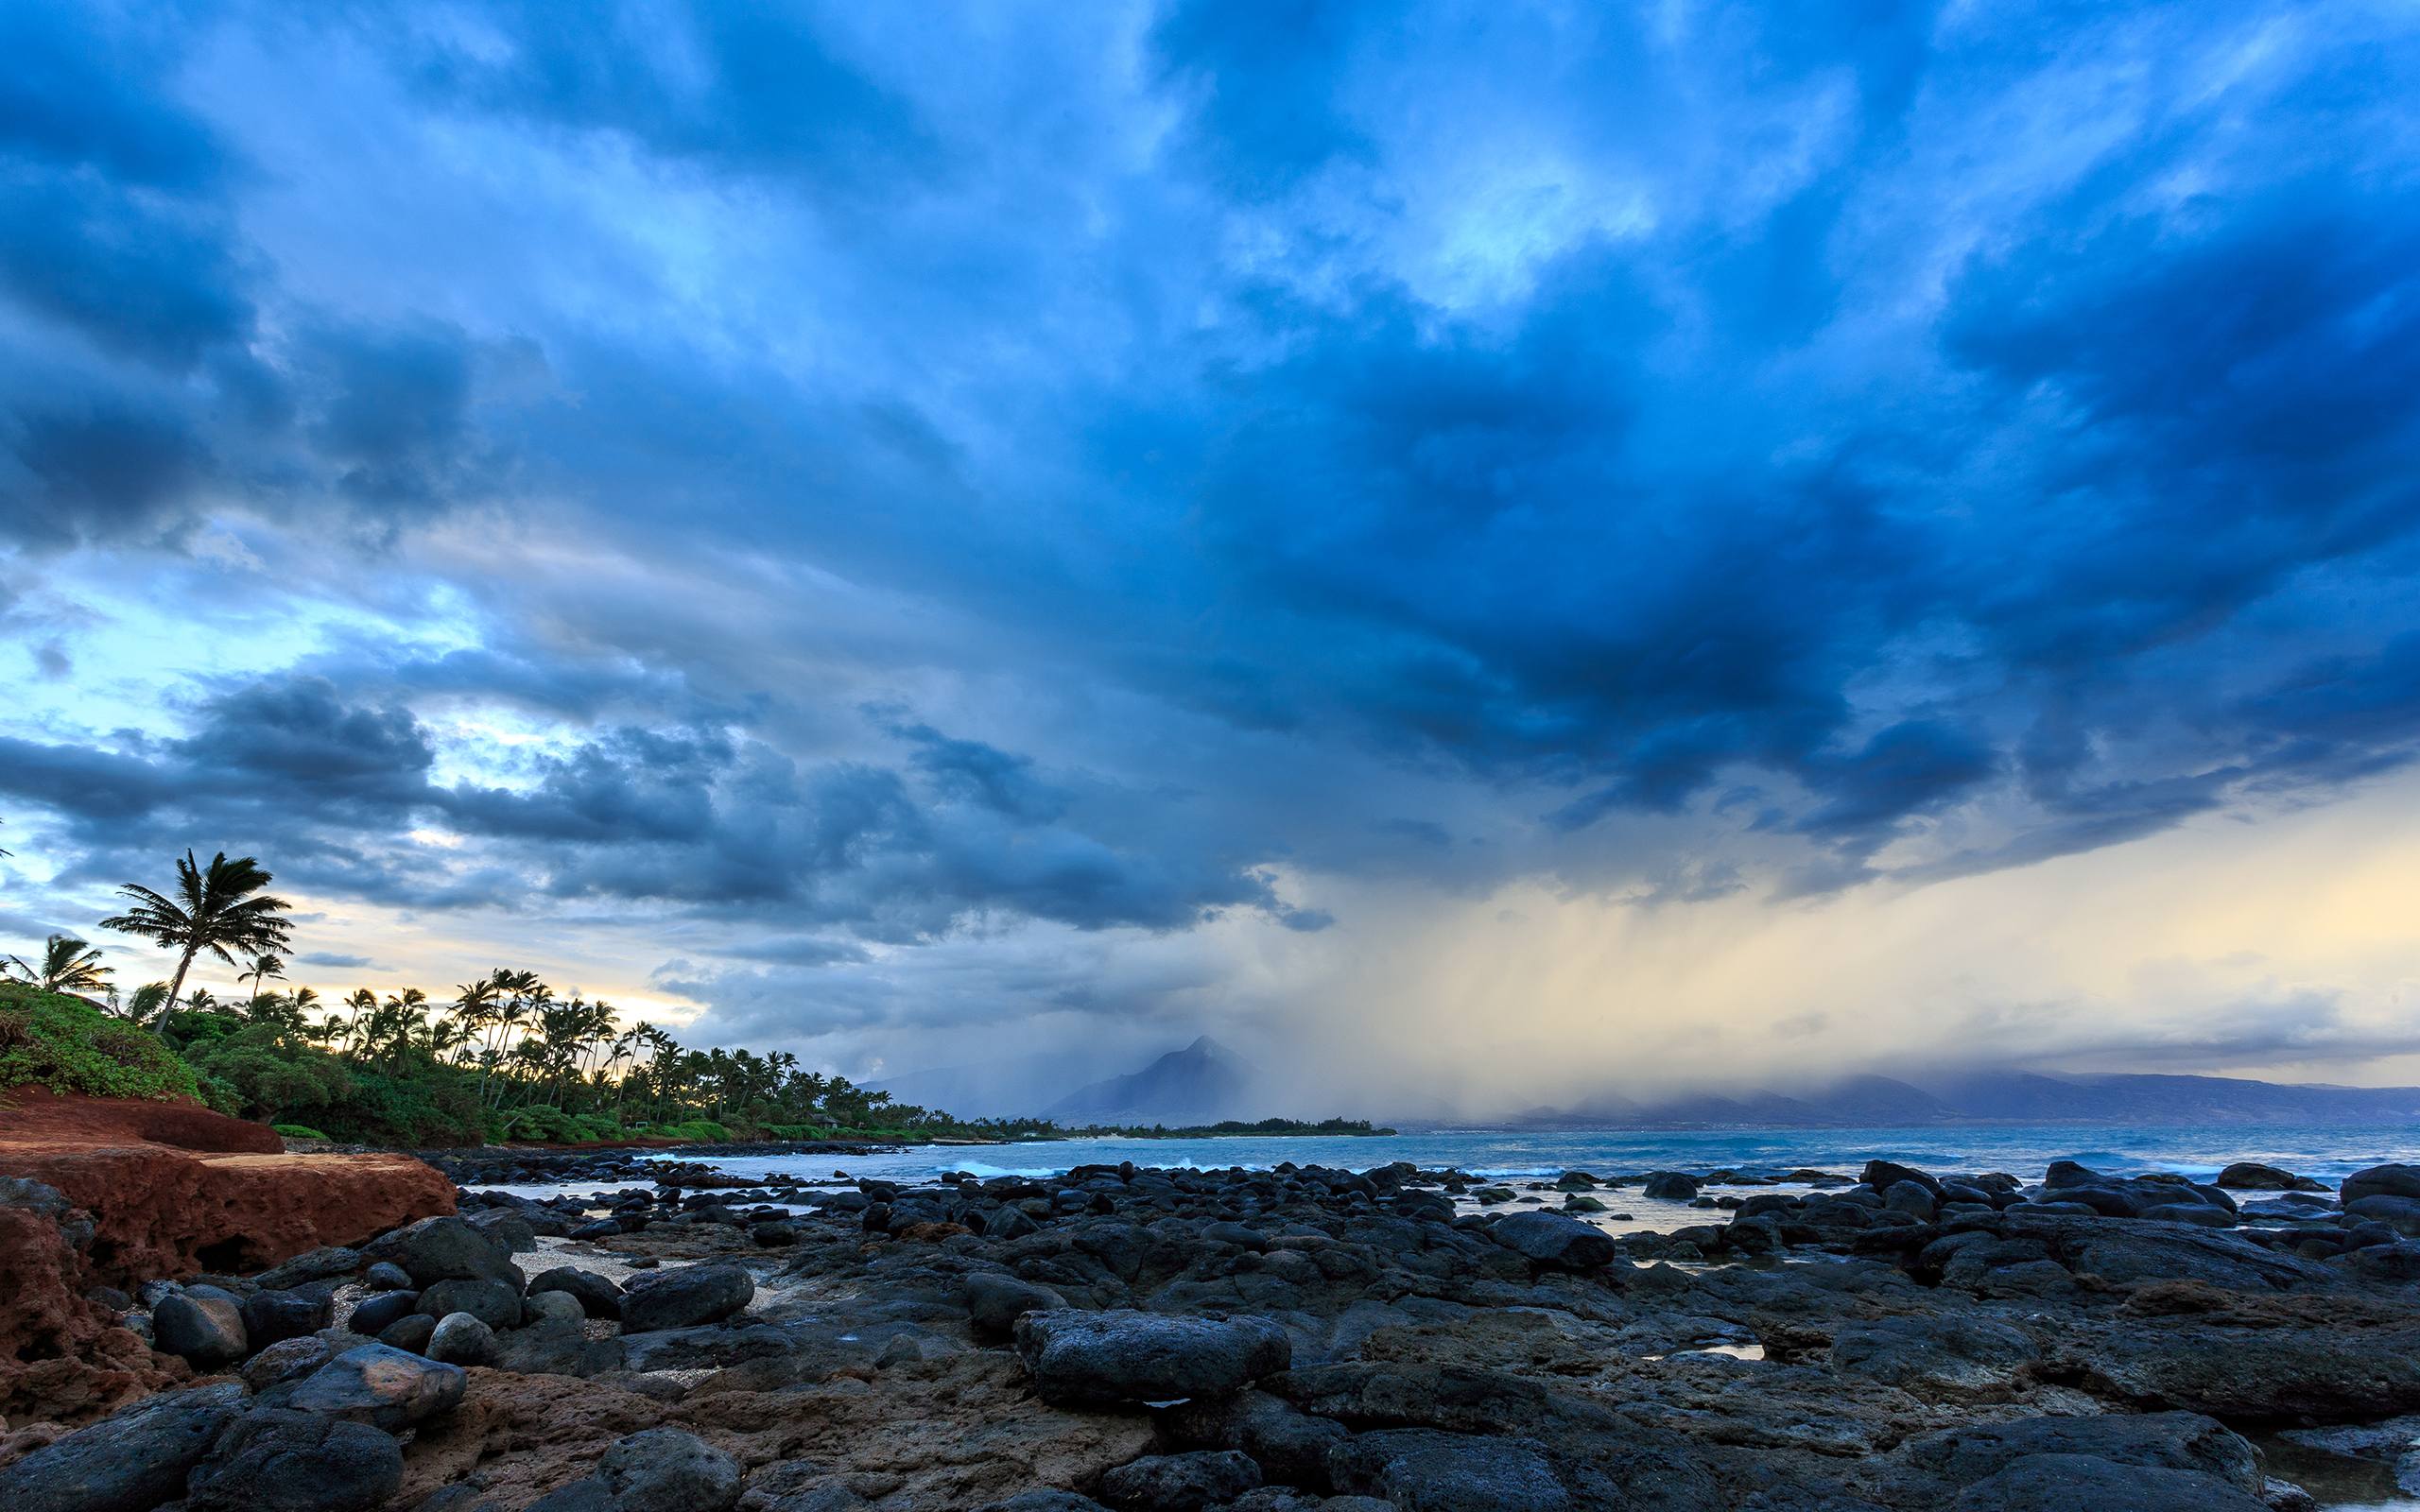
68 1045
505 1059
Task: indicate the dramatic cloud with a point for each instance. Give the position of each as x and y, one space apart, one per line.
1064 527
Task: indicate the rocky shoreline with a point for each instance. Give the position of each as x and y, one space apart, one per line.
1267 1341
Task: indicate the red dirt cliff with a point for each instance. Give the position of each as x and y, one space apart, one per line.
163 1189
176 1188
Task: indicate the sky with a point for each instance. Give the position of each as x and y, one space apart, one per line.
1475 552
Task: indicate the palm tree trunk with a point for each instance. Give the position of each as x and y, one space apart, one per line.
177 986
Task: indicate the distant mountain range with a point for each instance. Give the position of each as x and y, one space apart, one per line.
1205 1082
2017 1096
1200 1084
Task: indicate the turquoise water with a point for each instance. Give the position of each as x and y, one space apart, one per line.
2325 1151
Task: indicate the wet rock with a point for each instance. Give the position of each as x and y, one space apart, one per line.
996 1301
273 1316
493 1303
556 1348
286 1461
1290 1444
1425 1470
131 1462
1881 1176
2251 1176
2387 1263
2166 1440
1669 1186
2381 1181
326 1264
382 1386
461 1338
1099 1358
507 1228
373 1314
2066 1482
1952 1353
1914 1198
446 1249
411 1332
597 1296
1554 1241
1180 1483
540 1307
386 1276
205 1332
287 1360
684 1297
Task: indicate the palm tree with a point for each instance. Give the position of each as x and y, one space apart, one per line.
68 964
146 1001
222 910
263 966
362 1001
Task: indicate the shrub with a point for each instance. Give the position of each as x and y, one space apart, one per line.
65 1044
272 1071
703 1130
298 1131
432 1107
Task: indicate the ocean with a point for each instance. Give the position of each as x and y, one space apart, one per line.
2327 1152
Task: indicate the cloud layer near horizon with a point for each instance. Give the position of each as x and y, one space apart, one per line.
1014 529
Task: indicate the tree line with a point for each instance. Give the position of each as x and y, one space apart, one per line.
506 1056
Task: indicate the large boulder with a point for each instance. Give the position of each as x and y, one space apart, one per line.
1881 1176
1669 1186
597 1296
131 1462
446 1249
2381 1181
205 1330
1422 1469
286 1461
1553 1241
379 1385
271 1318
493 1303
1101 1358
371 1315
684 1297
460 1339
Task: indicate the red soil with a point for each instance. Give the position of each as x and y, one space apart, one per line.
178 1189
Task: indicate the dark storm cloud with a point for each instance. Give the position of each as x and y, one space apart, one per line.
286 767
